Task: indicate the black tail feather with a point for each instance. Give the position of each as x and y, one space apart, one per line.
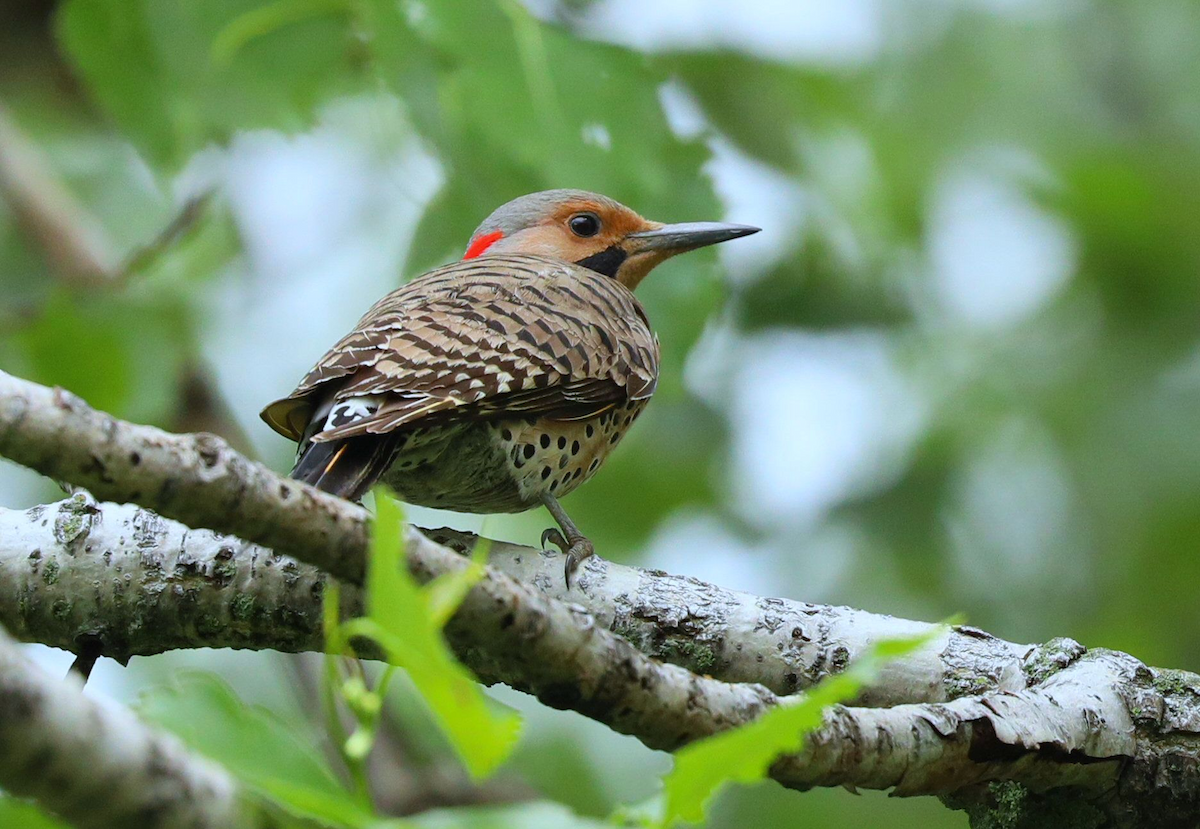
346 468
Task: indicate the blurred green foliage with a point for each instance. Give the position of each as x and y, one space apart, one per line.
25 816
1049 482
271 757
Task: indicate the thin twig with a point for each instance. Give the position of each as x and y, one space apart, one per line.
73 242
188 216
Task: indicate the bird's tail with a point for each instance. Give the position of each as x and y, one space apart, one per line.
346 468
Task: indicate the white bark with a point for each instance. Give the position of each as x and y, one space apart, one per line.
1063 718
78 573
1093 729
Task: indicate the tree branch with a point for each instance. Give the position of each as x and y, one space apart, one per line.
195 479
196 588
78 572
96 765
198 480
1095 726
783 644
505 631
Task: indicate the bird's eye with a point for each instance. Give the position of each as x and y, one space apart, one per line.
584 224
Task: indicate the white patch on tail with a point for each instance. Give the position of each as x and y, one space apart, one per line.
352 409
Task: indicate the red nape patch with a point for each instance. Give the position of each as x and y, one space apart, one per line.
483 243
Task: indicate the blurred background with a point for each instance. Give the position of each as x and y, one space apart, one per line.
958 371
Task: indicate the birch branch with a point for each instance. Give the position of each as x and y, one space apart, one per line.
200 481
1096 729
505 631
96 765
137 584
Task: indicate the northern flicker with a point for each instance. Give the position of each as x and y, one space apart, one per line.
502 381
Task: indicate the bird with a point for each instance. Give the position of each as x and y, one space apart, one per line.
502 381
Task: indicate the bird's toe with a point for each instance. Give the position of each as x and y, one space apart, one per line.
580 550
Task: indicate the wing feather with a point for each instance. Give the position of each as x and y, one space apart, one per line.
488 337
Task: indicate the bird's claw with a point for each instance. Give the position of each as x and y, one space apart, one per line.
576 554
576 550
553 536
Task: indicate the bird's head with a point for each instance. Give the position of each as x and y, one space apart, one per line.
593 231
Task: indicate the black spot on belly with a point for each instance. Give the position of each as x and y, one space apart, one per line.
591 430
575 448
562 442
506 434
562 461
545 472
529 450
545 441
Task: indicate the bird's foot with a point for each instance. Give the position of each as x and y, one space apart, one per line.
577 549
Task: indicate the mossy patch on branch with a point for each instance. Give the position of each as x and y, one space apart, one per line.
697 656
1050 658
50 572
241 607
965 682
1005 804
1177 682
74 519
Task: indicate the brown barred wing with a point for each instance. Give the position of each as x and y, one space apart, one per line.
494 336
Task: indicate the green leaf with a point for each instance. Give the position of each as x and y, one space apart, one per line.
111 44
406 620
265 20
121 352
17 814
178 76
258 747
743 755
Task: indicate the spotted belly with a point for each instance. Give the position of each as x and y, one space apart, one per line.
505 465
556 456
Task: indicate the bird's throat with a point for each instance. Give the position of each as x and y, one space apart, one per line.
607 261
